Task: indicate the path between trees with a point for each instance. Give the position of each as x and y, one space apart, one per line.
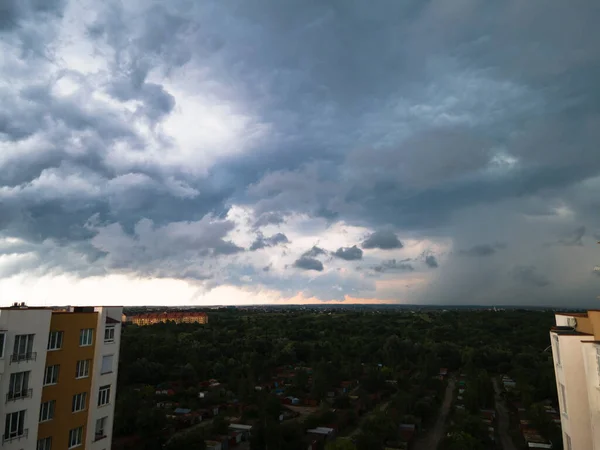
503 419
434 436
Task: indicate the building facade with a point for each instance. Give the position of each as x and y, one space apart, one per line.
164 317
576 353
58 371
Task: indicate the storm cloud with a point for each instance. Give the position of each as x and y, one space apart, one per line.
349 253
201 142
431 261
384 240
263 242
307 263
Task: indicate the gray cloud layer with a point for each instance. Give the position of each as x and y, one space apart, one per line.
129 129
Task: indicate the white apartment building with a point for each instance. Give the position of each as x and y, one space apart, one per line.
576 353
58 373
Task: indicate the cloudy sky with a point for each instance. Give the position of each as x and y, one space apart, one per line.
267 151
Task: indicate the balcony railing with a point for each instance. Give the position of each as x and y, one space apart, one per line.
20 357
18 395
14 436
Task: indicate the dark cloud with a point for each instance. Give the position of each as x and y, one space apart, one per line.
482 250
394 266
530 276
314 252
176 112
263 242
431 261
308 263
385 240
349 253
269 218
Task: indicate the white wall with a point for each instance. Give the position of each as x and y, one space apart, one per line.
593 388
99 379
24 321
571 373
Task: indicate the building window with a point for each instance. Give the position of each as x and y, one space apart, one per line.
83 369
14 425
44 444
55 340
109 334
18 386
556 350
104 395
75 437
86 337
47 410
2 341
563 396
79 402
23 349
100 428
107 364
51 375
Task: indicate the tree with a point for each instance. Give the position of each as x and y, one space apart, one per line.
462 441
186 441
341 444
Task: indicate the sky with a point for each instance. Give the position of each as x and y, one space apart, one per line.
302 151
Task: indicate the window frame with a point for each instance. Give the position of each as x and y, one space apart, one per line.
2 343
103 421
110 329
85 364
18 354
58 340
112 360
563 395
86 337
50 409
104 394
55 370
44 443
18 383
76 437
20 428
79 402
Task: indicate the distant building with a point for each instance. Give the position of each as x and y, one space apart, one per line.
58 376
177 317
576 353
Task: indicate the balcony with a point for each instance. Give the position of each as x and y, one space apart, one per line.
19 395
21 357
15 436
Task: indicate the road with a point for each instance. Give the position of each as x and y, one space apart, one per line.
503 419
431 440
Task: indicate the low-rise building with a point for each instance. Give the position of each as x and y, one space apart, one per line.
164 317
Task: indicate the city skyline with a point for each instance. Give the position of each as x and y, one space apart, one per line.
185 153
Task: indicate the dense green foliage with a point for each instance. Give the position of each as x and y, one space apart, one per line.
241 349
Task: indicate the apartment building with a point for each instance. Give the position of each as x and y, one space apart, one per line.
58 374
164 317
576 353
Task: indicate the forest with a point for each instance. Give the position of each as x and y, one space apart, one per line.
341 379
